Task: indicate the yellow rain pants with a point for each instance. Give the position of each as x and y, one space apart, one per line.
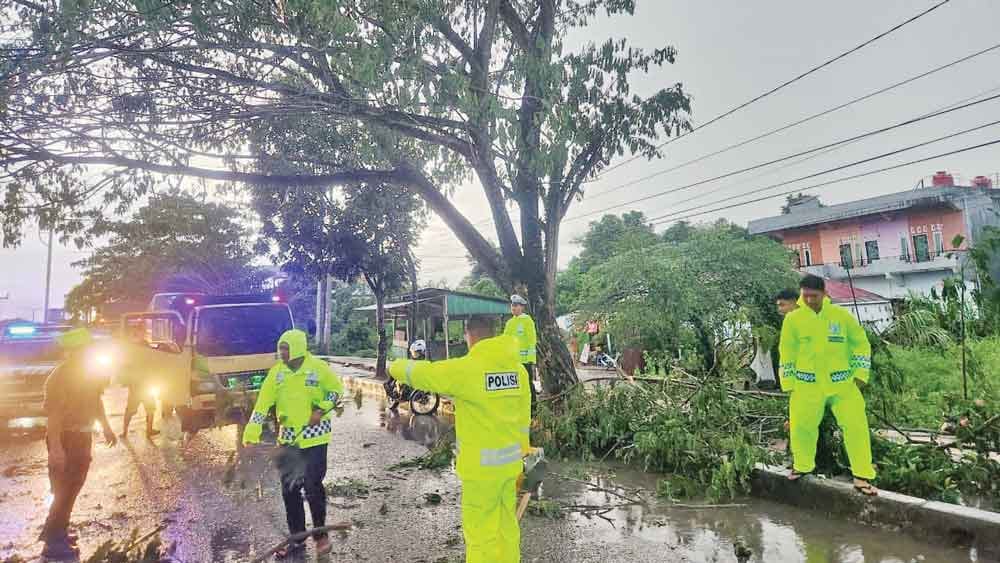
489 521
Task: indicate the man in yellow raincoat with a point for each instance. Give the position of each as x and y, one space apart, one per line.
489 387
825 359
304 391
522 327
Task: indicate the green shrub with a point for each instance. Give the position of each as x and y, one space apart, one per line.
705 436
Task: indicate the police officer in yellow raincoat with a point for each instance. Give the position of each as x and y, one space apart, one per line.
825 358
304 392
522 327
489 387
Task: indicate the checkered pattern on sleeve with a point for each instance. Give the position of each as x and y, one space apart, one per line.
316 430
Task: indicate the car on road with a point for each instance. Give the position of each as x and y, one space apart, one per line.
28 353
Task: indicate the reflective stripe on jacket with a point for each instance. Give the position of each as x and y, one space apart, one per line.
826 348
489 387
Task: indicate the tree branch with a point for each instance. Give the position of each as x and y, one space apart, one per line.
343 177
516 25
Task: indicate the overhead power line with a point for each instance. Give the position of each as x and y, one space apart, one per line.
590 197
797 162
786 157
662 219
786 83
799 122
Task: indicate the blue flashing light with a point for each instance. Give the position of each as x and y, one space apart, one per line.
21 330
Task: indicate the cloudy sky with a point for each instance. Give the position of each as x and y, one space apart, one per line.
728 53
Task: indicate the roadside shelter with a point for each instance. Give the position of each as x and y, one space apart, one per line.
439 318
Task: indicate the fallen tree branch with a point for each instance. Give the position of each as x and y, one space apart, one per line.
633 500
701 506
299 537
909 440
958 443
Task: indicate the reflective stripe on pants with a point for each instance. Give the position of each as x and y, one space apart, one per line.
501 456
489 521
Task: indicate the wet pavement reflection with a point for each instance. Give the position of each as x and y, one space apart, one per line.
217 506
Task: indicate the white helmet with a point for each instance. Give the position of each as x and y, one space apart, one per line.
518 300
418 346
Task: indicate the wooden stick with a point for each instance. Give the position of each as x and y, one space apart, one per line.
299 537
522 506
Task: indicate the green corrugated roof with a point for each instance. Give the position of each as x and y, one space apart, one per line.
462 305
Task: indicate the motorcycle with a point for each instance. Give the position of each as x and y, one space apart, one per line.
605 361
421 402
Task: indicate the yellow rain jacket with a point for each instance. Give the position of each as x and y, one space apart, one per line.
825 349
492 405
295 394
522 328
821 355
492 417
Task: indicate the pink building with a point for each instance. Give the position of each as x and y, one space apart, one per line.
891 245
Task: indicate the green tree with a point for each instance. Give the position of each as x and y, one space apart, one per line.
689 296
365 235
604 239
487 88
985 255
175 242
479 282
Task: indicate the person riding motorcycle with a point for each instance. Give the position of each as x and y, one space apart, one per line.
418 351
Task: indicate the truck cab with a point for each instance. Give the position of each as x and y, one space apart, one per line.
206 356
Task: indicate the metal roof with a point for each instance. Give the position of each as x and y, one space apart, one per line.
841 293
460 304
880 204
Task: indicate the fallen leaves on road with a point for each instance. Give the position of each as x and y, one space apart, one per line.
439 457
348 488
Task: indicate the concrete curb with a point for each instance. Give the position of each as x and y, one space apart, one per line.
937 521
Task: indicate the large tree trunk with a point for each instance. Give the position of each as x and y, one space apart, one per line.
555 363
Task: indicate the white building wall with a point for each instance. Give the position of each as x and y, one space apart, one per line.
878 315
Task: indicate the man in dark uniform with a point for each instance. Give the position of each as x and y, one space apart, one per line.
72 405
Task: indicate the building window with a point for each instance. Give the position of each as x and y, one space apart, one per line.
871 249
904 249
808 257
938 243
846 257
921 252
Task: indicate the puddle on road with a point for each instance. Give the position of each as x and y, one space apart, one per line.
773 532
426 430
229 545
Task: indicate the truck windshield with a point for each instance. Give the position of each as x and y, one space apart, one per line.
241 329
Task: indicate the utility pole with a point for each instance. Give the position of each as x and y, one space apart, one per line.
48 279
850 282
327 312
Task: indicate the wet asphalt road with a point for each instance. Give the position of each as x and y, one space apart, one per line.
211 512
